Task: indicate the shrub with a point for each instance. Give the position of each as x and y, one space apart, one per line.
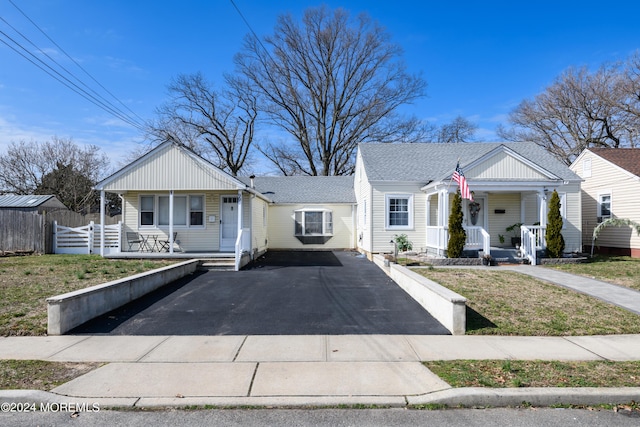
553 235
457 235
403 243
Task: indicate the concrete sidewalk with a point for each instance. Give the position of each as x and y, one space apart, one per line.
147 371
318 370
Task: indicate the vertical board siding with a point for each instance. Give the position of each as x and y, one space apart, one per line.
502 166
166 169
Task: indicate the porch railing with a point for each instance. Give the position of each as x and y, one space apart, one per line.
86 240
477 238
532 239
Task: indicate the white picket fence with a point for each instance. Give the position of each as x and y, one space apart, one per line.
86 239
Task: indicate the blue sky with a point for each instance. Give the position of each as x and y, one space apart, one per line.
480 59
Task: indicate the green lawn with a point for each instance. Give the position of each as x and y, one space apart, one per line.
27 281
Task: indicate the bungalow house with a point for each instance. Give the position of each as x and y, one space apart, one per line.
610 190
175 200
408 188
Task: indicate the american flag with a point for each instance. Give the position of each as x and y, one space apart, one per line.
458 177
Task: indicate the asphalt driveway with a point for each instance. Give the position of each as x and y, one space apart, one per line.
282 293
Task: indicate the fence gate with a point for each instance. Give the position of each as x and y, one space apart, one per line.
86 239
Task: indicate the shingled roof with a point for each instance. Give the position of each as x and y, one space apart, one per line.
305 189
626 158
429 161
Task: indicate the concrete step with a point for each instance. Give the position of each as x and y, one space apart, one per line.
219 264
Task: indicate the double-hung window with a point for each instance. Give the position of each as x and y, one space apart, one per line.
604 206
399 211
188 211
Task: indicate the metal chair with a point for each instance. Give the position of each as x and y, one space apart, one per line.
134 238
164 244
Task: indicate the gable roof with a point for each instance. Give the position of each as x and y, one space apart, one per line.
626 158
28 201
164 168
426 162
305 189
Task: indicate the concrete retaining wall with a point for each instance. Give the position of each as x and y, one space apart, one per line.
72 309
446 306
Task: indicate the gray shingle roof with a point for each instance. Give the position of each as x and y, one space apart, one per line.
29 201
429 161
305 189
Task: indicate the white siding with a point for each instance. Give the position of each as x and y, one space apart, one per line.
363 197
191 239
170 168
259 235
510 203
625 202
382 236
282 227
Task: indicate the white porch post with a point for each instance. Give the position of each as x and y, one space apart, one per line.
543 208
170 221
102 210
240 213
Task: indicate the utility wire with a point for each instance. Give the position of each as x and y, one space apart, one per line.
94 97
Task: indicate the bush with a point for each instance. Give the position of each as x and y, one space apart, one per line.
457 235
553 235
403 243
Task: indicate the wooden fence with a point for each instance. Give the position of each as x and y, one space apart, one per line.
33 232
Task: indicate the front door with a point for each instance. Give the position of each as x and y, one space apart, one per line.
476 213
228 222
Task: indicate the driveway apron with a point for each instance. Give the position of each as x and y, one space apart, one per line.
282 293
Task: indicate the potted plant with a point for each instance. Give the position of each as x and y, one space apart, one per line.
514 229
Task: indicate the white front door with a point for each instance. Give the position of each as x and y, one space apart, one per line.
228 222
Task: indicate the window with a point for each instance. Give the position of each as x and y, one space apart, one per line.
146 210
313 225
313 222
604 206
188 211
399 211
196 210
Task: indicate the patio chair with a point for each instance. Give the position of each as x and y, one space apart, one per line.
134 238
164 244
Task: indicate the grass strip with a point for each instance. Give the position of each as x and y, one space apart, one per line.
40 375
526 373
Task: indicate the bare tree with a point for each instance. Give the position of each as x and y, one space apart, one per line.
459 130
218 124
330 83
582 109
59 167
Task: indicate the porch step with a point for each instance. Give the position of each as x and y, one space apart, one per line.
218 264
506 256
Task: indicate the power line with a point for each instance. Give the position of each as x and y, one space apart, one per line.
74 61
89 94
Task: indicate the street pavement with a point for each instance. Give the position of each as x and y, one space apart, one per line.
305 370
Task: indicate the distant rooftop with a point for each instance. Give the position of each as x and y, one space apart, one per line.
28 201
305 189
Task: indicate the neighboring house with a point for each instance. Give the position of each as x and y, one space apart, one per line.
396 189
407 189
31 203
610 189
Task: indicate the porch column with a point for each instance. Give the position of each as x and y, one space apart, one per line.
102 209
170 222
240 217
542 196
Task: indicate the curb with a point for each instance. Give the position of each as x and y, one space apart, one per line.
455 397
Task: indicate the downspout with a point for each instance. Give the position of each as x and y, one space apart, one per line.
370 223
